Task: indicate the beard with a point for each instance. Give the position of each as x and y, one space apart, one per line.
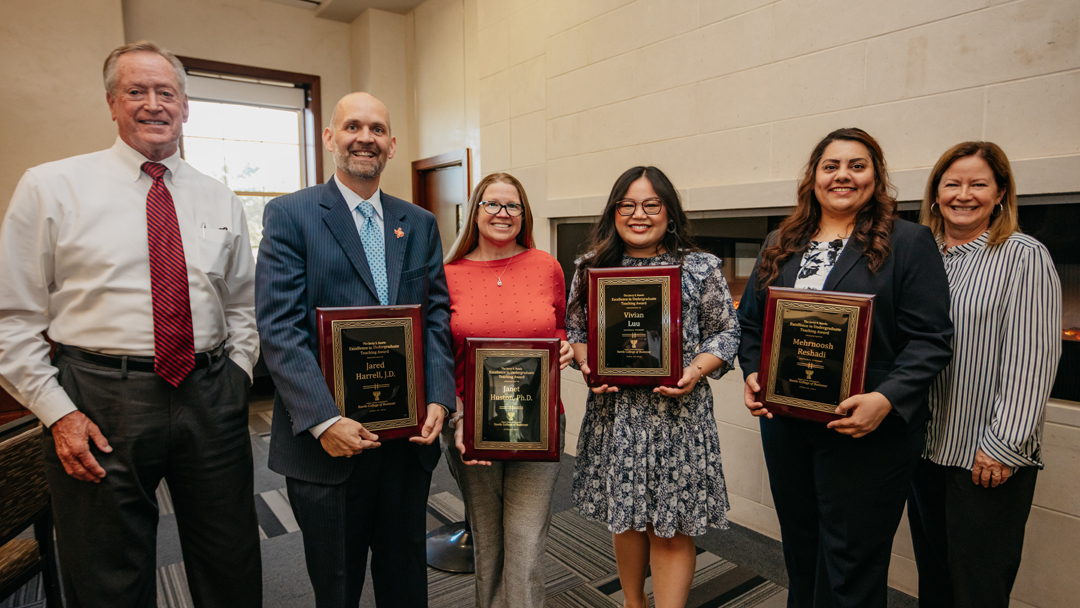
352 165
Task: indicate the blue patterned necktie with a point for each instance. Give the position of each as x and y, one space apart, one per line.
372 239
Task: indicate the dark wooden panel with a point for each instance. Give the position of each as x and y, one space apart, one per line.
443 196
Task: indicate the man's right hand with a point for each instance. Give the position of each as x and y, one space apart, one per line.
71 435
347 437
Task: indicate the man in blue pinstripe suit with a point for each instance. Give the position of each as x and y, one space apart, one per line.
346 243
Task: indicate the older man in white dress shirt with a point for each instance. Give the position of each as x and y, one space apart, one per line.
139 267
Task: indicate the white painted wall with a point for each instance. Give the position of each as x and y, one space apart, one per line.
53 96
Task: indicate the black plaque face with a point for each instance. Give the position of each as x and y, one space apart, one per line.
634 337
374 363
812 354
512 391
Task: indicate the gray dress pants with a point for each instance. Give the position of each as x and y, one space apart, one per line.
509 509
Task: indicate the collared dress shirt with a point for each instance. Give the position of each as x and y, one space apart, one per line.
74 260
353 200
1006 308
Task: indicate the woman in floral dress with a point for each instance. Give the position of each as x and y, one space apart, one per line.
648 461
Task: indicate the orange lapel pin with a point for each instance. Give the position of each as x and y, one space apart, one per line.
398 232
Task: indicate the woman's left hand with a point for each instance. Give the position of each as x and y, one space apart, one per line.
867 412
459 442
987 472
566 354
690 377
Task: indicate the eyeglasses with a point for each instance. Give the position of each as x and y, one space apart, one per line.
627 206
493 207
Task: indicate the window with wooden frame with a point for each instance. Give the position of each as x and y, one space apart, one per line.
256 130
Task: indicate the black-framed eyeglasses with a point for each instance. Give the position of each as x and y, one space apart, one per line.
627 206
493 207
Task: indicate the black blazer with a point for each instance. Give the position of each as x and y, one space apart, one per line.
912 335
311 256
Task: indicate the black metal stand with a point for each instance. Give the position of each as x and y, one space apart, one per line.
450 548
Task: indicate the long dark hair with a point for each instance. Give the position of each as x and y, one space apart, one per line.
873 223
605 247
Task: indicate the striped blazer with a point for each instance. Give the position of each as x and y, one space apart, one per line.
1006 307
311 256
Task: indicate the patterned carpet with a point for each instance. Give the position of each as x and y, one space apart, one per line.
579 564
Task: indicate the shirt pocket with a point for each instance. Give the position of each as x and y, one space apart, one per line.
215 251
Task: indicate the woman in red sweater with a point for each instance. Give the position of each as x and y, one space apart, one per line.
502 287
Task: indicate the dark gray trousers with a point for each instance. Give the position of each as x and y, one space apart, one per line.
839 501
967 539
381 506
194 436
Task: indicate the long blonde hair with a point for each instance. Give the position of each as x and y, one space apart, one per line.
1002 224
470 234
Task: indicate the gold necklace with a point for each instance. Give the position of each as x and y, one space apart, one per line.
499 276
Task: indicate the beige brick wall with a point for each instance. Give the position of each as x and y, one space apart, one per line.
378 62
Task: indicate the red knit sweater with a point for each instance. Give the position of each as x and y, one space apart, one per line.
530 304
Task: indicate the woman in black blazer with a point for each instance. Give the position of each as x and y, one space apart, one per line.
840 488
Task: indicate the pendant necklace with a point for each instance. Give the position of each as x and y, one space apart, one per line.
499 276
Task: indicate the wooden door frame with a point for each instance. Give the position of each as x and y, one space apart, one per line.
462 158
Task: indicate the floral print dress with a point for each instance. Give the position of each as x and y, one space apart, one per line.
817 263
648 459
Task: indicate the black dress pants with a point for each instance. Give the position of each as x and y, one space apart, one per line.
968 539
194 436
839 501
381 506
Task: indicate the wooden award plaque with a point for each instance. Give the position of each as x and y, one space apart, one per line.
635 326
511 405
373 360
814 349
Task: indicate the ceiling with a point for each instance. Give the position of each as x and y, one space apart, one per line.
348 10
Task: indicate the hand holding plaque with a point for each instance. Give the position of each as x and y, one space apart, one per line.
511 407
635 326
372 359
814 349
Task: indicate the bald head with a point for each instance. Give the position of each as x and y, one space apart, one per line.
359 100
359 136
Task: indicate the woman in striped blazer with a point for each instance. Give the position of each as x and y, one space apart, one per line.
973 489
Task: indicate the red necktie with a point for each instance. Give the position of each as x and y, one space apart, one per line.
174 343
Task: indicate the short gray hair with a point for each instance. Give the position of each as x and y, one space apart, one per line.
109 71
